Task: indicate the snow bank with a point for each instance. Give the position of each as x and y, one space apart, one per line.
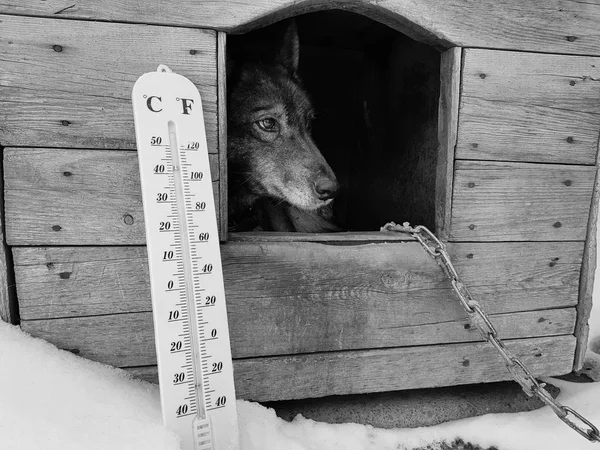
53 400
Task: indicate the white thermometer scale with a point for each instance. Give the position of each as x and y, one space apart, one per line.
188 298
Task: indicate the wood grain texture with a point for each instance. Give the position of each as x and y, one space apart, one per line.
8 298
588 272
503 131
450 67
222 128
363 371
128 339
341 237
498 201
289 297
508 202
92 195
309 376
552 26
68 83
553 81
529 107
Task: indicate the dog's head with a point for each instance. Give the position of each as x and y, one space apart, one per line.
269 143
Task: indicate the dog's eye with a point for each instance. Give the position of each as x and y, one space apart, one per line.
268 124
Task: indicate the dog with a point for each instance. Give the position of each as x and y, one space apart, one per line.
278 178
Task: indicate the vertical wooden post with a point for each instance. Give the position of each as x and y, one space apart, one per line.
8 298
222 131
588 271
450 76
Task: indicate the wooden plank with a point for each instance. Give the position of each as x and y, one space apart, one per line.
552 81
588 272
450 67
8 298
354 236
495 130
497 201
309 376
222 124
128 339
68 83
529 107
566 26
364 371
306 297
58 196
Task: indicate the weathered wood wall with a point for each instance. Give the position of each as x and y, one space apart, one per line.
557 26
70 86
517 165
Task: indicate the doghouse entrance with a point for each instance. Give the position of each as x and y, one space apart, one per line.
376 94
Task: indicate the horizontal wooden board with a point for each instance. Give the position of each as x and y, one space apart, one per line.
340 237
128 339
68 83
299 297
358 372
552 26
498 201
508 201
519 106
507 131
91 195
553 81
309 376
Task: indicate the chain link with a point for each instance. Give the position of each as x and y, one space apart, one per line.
479 319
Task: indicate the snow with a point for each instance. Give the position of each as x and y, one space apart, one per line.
51 399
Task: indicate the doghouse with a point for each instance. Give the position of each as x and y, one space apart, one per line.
504 171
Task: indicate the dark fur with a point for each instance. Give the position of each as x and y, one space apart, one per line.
278 180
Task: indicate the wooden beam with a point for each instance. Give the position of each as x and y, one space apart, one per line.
318 375
355 372
450 68
223 212
302 297
503 131
68 83
128 339
553 81
588 273
503 201
509 201
567 26
9 311
529 107
76 196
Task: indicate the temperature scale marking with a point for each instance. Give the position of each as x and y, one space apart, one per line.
188 297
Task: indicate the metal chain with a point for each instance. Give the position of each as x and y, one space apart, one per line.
481 321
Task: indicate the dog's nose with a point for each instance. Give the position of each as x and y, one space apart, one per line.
326 188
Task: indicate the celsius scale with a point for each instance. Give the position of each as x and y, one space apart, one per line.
188 298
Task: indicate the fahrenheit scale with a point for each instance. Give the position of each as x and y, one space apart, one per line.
188 298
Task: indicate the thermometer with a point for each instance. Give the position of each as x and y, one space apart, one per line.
188 297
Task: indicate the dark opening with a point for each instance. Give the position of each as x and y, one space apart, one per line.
376 94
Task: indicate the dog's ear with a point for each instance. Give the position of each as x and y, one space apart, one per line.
289 48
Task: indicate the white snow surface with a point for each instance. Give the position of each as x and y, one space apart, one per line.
51 399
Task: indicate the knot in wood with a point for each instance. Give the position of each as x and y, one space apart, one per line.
396 278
